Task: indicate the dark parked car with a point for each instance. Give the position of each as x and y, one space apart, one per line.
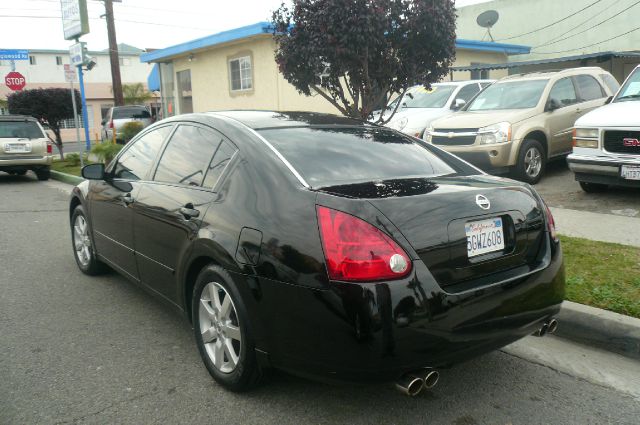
321 245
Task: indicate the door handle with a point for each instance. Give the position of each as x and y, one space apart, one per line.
189 212
127 199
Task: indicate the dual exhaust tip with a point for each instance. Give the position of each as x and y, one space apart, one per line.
413 383
547 328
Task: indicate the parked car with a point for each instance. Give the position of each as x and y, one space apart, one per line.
522 121
607 141
24 146
419 106
322 245
118 116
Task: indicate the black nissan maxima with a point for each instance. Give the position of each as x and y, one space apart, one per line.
321 245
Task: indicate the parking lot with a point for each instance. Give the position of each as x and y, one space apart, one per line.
75 349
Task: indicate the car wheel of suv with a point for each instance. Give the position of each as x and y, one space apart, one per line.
222 332
531 162
43 173
593 187
82 247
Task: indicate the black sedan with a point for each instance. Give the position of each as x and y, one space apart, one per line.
321 245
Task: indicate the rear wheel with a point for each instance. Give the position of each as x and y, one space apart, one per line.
531 161
593 187
82 247
222 332
43 173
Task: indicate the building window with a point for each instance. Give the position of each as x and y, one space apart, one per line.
240 73
124 61
184 91
104 109
58 60
479 74
32 60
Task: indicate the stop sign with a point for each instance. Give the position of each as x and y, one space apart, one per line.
15 81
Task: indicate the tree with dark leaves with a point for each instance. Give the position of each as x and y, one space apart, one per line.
49 106
358 53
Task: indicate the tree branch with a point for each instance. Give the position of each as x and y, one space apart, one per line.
330 99
383 122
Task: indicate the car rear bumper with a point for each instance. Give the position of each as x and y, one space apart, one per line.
602 169
378 331
25 161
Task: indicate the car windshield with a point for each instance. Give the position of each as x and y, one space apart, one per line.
509 95
20 130
631 88
419 97
329 156
124 113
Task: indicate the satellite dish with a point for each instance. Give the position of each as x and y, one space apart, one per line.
487 20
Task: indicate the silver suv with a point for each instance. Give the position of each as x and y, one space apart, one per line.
118 116
24 146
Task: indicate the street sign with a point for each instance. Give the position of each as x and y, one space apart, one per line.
69 73
76 53
15 81
75 21
14 55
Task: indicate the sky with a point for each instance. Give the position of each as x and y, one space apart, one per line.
36 24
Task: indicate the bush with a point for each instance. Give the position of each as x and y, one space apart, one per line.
73 159
106 151
130 129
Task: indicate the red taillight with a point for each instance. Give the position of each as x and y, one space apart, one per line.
357 251
49 148
551 224
111 124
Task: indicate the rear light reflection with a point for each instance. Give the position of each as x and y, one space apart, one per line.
551 224
358 251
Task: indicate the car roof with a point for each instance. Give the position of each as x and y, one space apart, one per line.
274 119
455 83
550 73
17 118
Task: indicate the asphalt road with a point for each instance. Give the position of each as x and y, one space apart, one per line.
75 349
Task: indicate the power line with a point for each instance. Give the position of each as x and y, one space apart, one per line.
553 23
590 45
118 20
583 31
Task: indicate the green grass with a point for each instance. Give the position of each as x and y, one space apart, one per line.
65 167
603 275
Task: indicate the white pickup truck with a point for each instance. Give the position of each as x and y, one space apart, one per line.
607 141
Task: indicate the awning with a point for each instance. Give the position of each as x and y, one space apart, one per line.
601 56
153 80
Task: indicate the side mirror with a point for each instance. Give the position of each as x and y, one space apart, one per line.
608 101
552 105
458 103
93 172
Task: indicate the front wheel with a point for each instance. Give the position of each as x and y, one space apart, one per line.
593 187
222 331
531 162
82 247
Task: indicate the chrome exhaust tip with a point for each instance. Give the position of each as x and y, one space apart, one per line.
552 326
431 378
542 331
410 384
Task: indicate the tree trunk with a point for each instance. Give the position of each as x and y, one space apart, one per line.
58 141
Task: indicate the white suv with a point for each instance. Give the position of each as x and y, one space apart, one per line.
607 141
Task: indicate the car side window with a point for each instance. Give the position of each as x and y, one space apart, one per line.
467 92
589 88
218 163
564 92
136 161
187 155
611 82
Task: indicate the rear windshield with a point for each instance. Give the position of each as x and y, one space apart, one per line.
336 156
420 97
123 113
20 129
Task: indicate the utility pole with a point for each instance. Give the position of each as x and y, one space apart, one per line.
116 81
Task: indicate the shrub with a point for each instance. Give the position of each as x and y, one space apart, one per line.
73 159
130 129
106 151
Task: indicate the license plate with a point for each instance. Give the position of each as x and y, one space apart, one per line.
484 236
17 147
630 172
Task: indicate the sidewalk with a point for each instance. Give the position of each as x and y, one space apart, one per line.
597 227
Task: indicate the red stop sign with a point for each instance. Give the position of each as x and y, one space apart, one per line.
15 81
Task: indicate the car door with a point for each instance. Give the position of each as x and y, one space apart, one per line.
169 209
591 94
111 200
560 121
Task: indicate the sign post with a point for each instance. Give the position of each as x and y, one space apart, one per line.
78 58
70 76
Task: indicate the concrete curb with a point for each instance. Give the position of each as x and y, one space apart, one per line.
66 178
600 328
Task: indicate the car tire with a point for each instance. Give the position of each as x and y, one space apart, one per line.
222 331
532 160
593 187
82 244
43 174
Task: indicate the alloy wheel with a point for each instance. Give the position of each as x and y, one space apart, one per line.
219 327
532 162
81 240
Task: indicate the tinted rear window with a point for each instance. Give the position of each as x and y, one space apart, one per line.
20 129
333 156
123 113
